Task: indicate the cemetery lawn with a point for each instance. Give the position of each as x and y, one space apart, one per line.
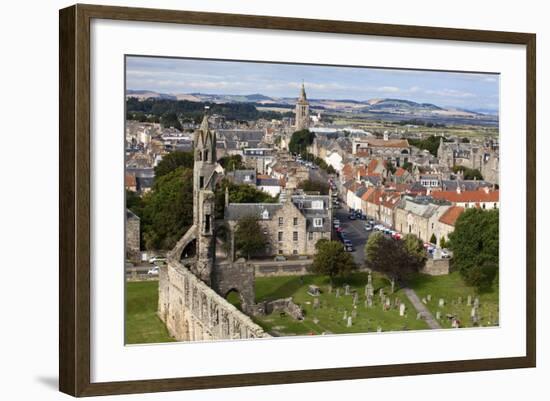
330 314
450 288
142 324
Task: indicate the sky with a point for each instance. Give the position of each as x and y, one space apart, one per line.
473 91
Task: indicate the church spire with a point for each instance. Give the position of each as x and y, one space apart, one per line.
303 92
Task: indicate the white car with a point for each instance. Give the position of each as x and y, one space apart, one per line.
445 254
154 271
156 259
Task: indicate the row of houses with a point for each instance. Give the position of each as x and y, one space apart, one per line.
405 208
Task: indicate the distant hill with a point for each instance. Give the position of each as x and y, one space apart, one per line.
382 106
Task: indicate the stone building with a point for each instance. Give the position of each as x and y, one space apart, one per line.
398 151
419 216
133 252
293 227
481 156
302 111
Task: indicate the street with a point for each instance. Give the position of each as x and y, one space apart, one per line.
355 232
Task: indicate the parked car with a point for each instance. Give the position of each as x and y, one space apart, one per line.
336 225
156 259
352 217
445 254
368 227
279 258
153 271
336 221
396 235
340 229
371 222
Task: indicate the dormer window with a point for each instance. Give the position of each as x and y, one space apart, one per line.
265 214
317 204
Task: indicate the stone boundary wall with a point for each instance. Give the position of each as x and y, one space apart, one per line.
274 269
192 311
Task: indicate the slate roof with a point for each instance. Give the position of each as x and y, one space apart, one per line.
236 211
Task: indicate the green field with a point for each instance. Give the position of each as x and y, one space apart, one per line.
330 314
142 324
450 288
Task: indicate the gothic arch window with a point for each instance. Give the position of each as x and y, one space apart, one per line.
206 155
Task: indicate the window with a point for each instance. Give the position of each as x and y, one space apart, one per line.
280 221
295 221
295 252
201 181
310 236
280 251
318 222
295 236
207 223
317 204
280 235
206 155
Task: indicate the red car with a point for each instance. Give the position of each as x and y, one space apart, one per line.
339 229
397 236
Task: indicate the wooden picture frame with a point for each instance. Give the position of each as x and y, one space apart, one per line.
74 203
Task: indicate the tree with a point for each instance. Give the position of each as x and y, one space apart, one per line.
300 140
433 239
332 260
397 259
314 186
239 193
443 242
468 173
231 162
475 246
172 161
168 209
249 236
170 119
390 167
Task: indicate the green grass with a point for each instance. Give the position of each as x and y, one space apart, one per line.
330 315
450 288
142 324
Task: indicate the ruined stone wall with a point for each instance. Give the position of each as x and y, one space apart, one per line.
192 311
132 239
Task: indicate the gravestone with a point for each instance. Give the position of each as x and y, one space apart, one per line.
469 300
455 324
338 293
401 309
424 301
346 289
354 313
438 315
429 297
329 289
349 321
315 320
315 303
369 301
379 329
355 299
345 315
476 302
441 302
392 285
381 293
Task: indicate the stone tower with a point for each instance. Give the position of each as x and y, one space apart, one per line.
204 144
302 111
